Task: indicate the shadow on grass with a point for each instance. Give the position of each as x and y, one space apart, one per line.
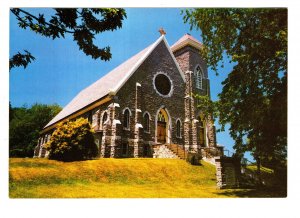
253 193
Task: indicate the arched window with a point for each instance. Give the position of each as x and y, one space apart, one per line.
104 118
146 122
198 78
202 133
126 119
161 117
98 119
178 128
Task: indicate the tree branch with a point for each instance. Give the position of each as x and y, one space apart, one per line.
37 19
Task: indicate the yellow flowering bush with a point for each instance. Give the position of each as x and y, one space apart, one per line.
72 141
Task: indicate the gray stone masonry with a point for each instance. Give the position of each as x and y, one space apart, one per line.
137 121
228 172
211 132
188 59
187 110
104 136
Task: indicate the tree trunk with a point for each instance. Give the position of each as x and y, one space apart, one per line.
258 164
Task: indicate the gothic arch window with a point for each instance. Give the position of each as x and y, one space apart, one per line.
146 122
99 119
104 118
161 117
178 128
126 118
199 78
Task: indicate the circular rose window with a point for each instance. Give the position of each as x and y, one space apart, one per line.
162 84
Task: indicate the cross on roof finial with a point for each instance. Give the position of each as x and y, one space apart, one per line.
162 31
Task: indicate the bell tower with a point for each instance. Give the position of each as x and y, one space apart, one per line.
199 130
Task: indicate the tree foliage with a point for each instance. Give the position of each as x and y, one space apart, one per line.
207 106
21 60
24 126
82 24
72 141
254 95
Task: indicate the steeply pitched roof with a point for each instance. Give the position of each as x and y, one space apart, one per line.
111 82
185 40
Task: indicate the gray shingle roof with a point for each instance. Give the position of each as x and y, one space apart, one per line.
110 82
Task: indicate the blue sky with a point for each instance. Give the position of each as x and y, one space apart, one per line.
61 70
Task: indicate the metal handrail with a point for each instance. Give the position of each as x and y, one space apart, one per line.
229 153
209 149
177 147
244 161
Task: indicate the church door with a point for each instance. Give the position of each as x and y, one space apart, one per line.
161 132
162 126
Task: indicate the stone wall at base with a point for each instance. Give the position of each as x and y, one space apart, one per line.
228 172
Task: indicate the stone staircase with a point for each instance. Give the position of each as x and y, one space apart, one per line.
177 150
210 160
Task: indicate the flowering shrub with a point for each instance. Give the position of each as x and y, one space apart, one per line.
72 141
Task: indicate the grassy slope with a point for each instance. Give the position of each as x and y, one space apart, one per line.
114 178
263 170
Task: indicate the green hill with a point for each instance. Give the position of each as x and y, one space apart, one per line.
114 178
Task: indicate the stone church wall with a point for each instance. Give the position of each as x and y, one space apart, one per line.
149 100
228 172
141 98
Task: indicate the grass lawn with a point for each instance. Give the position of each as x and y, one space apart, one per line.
117 178
264 170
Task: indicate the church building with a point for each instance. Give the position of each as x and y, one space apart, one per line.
145 107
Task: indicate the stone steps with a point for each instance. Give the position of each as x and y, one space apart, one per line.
177 150
163 151
210 160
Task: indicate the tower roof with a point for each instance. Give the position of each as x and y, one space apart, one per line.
185 40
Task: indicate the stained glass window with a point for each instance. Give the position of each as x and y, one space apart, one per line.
198 78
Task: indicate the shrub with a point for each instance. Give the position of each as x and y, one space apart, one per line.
194 158
17 153
72 141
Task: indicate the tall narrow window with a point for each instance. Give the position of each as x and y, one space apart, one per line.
146 122
90 117
178 129
126 119
104 118
202 133
98 119
198 78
